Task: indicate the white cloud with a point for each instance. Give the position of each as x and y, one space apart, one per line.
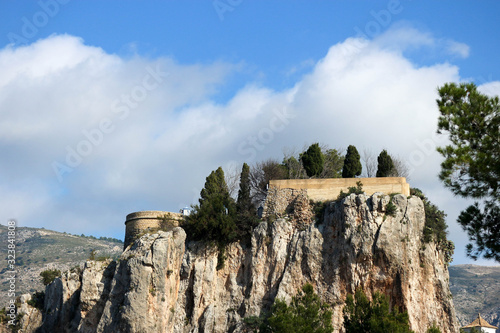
166 140
455 48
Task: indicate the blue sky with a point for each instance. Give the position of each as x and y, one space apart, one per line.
109 107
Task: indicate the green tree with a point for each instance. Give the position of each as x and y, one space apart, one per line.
385 165
352 164
313 160
305 314
471 168
213 219
245 209
293 167
361 315
334 161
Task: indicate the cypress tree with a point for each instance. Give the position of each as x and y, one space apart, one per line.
313 160
214 218
245 209
244 203
385 165
352 164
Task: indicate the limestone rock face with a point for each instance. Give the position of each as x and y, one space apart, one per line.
162 285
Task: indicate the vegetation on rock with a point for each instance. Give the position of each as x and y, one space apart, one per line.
358 189
245 209
313 160
363 315
49 275
305 314
352 164
385 166
213 220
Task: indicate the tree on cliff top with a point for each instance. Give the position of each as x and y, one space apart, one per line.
385 165
313 160
352 163
361 315
245 209
471 168
213 218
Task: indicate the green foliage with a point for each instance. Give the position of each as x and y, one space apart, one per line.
433 329
313 160
49 275
213 220
37 300
319 208
352 164
305 314
334 162
358 189
435 229
435 223
471 168
483 228
390 209
293 168
361 315
472 330
385 165
245 209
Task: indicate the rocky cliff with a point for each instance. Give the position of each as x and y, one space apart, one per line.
163 284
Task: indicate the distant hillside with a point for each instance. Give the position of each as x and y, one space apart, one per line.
476 289
41 249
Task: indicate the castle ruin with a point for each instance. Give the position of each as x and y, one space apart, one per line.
280 194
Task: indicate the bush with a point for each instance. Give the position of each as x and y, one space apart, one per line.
435 223
390 209
37 300
435 226
358 189
49 275
363 315
305 314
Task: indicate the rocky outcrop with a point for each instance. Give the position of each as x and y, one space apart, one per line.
162 284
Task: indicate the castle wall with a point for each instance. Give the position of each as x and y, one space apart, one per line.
329 189
152 220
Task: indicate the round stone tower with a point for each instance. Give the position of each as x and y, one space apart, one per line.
150 220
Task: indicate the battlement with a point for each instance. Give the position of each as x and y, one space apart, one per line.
150 220
329 188
282 193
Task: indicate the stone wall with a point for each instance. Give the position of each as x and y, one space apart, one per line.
151 220
329 189
279 202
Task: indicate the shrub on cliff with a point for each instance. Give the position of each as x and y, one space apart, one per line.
352 164
305 314
435 223
363 315
49 275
